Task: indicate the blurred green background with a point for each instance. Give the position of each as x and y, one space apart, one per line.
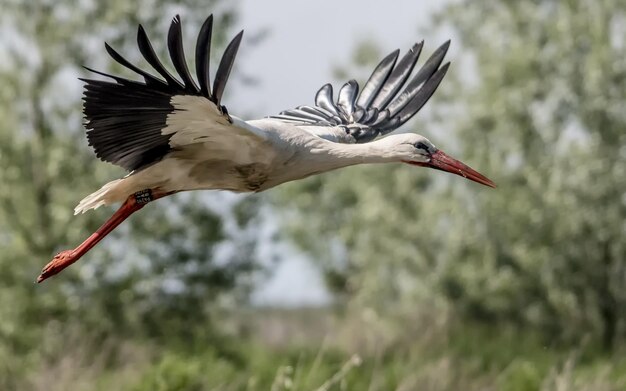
435 283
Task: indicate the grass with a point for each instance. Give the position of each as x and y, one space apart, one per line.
316 350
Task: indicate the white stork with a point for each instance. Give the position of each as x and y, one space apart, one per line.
174 135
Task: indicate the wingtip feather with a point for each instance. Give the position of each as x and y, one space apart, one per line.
225 67
177 54
203 52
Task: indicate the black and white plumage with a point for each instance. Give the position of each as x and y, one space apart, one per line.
380 108
173 134
125 119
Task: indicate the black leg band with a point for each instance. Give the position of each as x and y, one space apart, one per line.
144 196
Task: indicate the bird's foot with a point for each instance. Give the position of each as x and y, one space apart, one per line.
132 204
58 263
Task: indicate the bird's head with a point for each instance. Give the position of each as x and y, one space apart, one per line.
417 150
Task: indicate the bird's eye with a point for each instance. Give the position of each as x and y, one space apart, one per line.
421 145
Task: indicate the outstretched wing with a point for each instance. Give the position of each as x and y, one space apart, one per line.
380 107
134 124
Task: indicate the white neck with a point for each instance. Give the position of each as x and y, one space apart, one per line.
325 156
300 153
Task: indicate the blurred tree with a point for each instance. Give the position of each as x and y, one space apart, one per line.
47 168
540 109
548 119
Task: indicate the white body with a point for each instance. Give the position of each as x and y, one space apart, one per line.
209 152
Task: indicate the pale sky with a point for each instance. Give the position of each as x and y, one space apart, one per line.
306 39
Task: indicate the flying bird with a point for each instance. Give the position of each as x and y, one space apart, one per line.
173 134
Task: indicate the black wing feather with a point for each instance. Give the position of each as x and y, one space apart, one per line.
314 112
150 80
377 79
125 118
203 55
398 77
226 65
117 138
119 80
427 70
177 53
383 105
422 95
324 99
347 97
146 49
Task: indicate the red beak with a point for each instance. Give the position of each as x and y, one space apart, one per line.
441 161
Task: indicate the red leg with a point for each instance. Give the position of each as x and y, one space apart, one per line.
65 258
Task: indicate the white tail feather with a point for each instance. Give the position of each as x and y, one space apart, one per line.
107 194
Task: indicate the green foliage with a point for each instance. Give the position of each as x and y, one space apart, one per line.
552 235
156 277
539 109
443 357
176 372
520 376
